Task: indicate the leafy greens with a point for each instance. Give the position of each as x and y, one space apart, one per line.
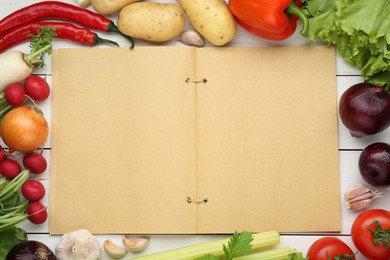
10 238
239 244
360 30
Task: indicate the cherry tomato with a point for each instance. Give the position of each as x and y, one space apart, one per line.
327 248
367 222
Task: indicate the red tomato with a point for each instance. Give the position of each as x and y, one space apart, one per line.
327 248
364 240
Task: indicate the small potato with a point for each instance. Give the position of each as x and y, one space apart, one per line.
211 18
151 21
110 6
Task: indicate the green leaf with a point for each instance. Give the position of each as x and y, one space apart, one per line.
9 238
296 256
360 30
238 244
40 45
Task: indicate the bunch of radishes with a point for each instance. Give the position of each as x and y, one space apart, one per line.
34 87
32 189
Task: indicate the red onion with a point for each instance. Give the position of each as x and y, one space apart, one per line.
374 164
30 250
365 109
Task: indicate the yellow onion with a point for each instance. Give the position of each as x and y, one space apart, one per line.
24 129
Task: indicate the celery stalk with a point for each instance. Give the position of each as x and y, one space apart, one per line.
272 254
260 240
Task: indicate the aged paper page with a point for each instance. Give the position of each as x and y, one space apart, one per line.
267 140
124 136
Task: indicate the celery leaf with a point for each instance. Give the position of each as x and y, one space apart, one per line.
238 244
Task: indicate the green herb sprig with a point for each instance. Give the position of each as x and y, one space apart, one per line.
40 45
238 244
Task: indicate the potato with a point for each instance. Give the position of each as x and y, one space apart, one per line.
110 6
151 21
211 18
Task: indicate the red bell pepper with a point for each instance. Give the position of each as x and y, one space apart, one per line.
269 19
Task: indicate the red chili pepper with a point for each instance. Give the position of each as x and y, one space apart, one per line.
63 31
56 9
273 20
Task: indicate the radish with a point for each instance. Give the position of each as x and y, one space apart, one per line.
36 212
15 66
3 154
10 168
35 162
15 94
37 88
33 190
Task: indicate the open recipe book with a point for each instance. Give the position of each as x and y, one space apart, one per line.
180 140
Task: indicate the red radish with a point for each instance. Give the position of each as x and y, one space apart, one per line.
36 212
3 154
35 162
15 95
33 190
10 168
37 88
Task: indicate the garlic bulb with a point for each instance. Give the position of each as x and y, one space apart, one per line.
78 245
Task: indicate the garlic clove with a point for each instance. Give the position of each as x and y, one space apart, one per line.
360 197
191 37
114 250
359 205
84 3
135 244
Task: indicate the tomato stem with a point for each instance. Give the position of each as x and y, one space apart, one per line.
380 235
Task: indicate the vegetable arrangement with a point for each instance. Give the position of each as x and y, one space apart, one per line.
23 129
364 108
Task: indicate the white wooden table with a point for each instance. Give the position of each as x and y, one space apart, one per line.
349 148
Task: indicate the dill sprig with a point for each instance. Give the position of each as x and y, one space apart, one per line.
40 45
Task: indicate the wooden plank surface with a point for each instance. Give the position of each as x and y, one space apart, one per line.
349 148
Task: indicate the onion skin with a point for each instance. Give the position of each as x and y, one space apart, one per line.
30 250
24 129
374 164
365 109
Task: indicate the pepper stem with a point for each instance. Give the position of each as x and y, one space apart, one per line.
293 9
98 40
113 28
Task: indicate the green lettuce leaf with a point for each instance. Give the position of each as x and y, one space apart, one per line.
10 238
360 30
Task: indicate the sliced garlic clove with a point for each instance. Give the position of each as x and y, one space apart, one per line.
191 37
114 250
360 197
135 244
